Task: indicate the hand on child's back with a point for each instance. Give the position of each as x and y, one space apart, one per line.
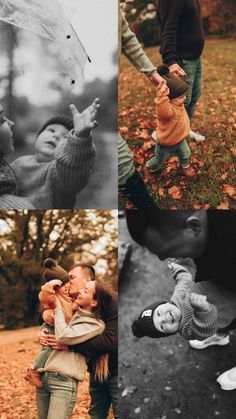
199 302
85 121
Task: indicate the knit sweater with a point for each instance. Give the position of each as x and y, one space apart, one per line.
194 324
173 123
48 295
131 48
55 184
83 326
181 30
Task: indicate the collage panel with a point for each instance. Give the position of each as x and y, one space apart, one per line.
58 96
177 110
177 301
58 268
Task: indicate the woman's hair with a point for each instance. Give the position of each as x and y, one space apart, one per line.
103 295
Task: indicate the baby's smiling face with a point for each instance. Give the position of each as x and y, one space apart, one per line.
166 318
48 141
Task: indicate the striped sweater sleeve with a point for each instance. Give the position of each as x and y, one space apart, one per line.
74 164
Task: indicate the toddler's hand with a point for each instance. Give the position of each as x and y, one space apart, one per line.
175 267
163 90
85 122
199 302
55 282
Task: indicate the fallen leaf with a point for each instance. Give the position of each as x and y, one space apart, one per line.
175 192
229 190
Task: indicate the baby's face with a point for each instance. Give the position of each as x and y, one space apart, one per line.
179 101
48 141
6 138
167 318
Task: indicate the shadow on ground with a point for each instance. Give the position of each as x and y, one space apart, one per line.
165 378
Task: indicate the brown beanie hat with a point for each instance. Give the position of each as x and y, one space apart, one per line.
144 325
177 86
51 270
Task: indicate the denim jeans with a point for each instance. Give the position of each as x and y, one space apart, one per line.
57 398
193 70
103 395
182 150
125 162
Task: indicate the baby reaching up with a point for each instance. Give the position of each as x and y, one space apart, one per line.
187 313
62 162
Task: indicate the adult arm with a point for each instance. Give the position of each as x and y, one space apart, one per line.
84 329
132 49
105 343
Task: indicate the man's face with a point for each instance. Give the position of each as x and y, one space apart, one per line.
78 279
171 240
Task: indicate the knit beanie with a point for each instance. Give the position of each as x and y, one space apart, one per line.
177 86
144 325
51 270
65 120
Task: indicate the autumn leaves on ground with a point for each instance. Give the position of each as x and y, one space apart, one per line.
17 397
214 160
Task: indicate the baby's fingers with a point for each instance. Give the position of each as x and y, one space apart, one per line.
73 110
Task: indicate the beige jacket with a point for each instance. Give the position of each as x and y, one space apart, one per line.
82 327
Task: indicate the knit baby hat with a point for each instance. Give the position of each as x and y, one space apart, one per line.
51 270
177 86
64 120
144 325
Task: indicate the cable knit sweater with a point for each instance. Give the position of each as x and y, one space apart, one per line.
194 324
82 327
55 184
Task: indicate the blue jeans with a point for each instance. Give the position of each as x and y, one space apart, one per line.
57 398
182 150
193 70
103 395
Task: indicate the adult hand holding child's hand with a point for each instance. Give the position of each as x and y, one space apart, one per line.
85 121
163 90
199 302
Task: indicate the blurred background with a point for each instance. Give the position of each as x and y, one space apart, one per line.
35 85
219 18
28 237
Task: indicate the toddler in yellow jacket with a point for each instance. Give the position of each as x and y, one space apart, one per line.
173 124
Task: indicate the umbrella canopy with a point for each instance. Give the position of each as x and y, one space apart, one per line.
47 19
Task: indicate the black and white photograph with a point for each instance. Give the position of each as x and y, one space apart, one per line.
177 311
58 104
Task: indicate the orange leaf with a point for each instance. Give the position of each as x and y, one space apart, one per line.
223 206
229 190
175 192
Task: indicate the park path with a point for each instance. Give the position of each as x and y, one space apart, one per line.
12 336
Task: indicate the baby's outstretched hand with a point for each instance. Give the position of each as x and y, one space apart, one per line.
176 268
85 121
199 302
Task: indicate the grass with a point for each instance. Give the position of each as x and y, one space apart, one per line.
215 117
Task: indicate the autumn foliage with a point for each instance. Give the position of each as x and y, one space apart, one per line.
215 117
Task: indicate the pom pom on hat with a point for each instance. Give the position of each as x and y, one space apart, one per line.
163 69
51 270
